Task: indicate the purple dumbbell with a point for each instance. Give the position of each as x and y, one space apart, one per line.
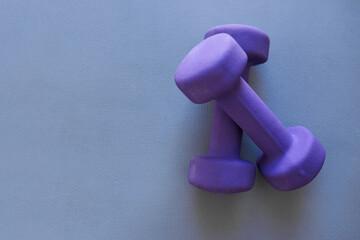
291 157
225 171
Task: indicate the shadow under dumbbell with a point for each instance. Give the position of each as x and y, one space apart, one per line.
218 214
283 211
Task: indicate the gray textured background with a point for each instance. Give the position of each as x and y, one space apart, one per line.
95 138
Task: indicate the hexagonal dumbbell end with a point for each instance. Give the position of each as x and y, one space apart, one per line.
211 69
297 164
254 41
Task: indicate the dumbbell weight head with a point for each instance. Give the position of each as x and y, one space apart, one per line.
298 165
211 68
253 41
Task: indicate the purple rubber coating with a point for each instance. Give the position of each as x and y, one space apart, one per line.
290 158
223 158
211 68
221 175
254 41
222 170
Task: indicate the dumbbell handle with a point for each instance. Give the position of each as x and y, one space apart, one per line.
250 113
226 135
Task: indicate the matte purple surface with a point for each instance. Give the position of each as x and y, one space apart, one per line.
202 77
226 136
291 158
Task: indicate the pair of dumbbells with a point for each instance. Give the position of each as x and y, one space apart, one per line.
217 69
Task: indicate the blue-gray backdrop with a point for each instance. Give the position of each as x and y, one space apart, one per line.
95 137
